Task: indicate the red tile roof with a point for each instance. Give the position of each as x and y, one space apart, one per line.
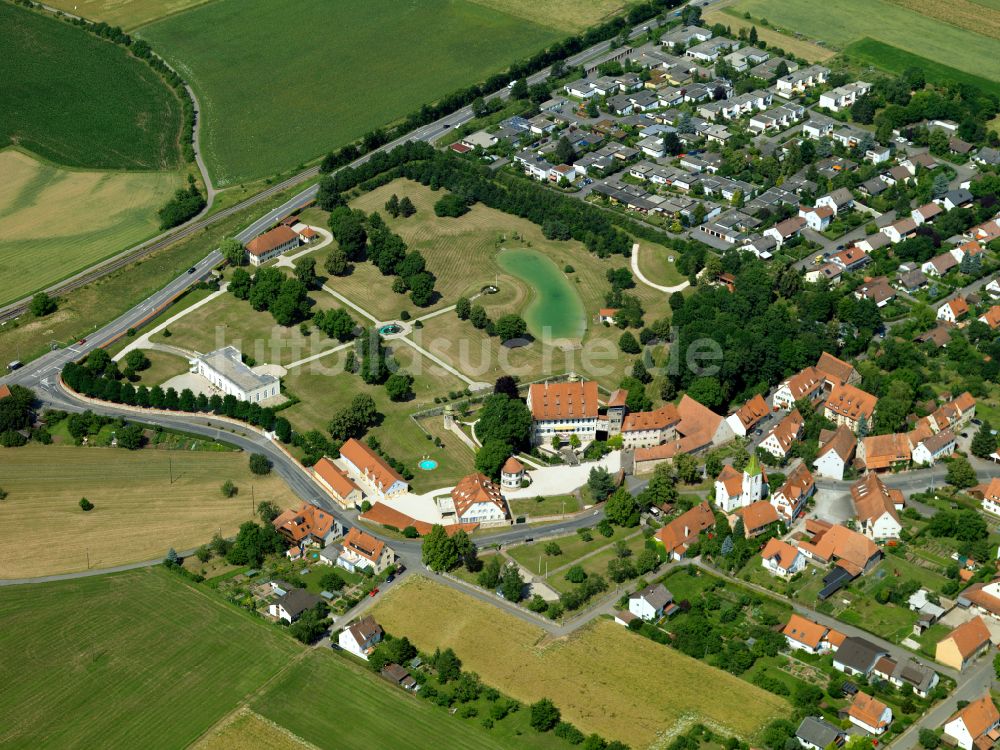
969 637
296 525
476 488
268 241
677 535
569 400
370 463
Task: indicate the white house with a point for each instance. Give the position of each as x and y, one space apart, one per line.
818 218
563 409
869 713
225 370
651 603
781 559
512 474
953 310
844 96
977 719
369 469
361 551
935 447
835 453
476 499
290 606
991 497
779 440
361 637
737 490
272 244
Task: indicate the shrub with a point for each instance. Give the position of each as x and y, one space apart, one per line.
86 504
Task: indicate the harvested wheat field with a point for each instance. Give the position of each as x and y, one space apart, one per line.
603 678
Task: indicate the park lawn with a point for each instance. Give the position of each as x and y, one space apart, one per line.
137 659
246 730
323 393
367 712
326 88
598 677
572 545
138 513
546 506
654 262
847 21
86 309
163 366
596 564
113 112
894 60
55 222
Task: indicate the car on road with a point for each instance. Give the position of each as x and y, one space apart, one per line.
192 269
758 432
977 422
819 259
373 592
81 342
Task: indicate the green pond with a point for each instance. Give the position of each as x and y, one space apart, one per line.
555 310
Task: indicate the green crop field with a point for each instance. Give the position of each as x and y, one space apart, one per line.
365 712
895 60
846 21
55 222
136 659
280 84
80 101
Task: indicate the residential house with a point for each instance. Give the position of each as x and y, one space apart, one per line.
361 550
803 634
786 230
779 440
685 35
983 599
815 733
789 499
806 384
799 80
648 428
858 656
953 310
734 489
361 637
957 198
335 481
678 535
975 725
563 409
818 219
869 713
873 242
927 212
851 258
912 280
877 508
651 603
781 559
839 200
398 676
877 290
308 525
371 471
932 448
743 420
964 644
939 265
900 230
849 550
757 518
991 317
290 606
955 415
225 370
991 497
844 96
881 452
850 406
700 427
478 500
836 451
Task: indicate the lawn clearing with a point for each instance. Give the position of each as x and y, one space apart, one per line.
847 21
565 15
55 222
137 659
138 513
113 112
655 264
324 88
599 677
533 557
163 366
366 712
246 730
546 506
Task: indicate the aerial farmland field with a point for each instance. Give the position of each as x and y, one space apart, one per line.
55 222
282 84
113 112
594 675
962 35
